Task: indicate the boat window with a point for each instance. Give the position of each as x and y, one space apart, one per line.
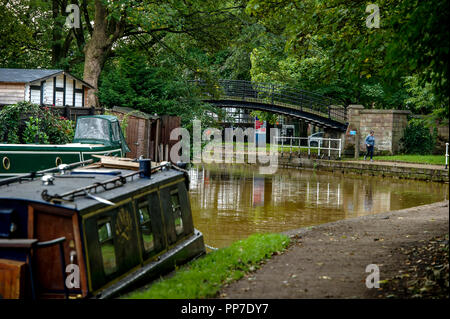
92 128
106 241
146 227
176 210
115 131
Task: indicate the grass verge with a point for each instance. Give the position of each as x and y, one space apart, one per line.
204 277
420 159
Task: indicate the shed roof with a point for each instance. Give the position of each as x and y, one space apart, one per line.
134 112
31 75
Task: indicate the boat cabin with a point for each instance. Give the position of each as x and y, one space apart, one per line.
94 135
94 232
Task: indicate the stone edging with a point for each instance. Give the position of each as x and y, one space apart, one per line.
369 169
385 215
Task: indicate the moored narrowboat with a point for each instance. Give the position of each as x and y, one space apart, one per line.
94 232
94 135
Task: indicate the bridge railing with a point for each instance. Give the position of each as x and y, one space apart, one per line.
323 146
277 95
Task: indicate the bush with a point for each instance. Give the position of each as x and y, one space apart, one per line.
42 126
417 138
32 133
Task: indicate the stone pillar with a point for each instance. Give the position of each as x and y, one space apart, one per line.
354 124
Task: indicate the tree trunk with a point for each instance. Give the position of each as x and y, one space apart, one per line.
104 34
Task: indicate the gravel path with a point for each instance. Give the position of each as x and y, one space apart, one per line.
329 260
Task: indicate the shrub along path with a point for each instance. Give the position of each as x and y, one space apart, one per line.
330 260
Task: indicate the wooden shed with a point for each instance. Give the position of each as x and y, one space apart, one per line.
147 135
41 86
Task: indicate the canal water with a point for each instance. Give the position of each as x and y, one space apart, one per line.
230 202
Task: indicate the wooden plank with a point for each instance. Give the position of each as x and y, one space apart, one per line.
12 279
119 162
115 162
30 222
116 158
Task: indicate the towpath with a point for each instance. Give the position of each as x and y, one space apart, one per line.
330 260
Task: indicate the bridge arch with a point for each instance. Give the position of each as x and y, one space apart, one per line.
310 107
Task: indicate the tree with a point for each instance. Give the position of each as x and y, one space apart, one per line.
368 63
208 22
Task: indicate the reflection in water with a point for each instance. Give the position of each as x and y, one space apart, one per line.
230 203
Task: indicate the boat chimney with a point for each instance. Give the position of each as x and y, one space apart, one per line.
145 166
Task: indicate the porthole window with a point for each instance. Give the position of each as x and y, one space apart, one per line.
146 227
106 241
58 161
6 163
176 211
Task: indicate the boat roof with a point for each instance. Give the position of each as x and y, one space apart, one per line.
110 118
31 190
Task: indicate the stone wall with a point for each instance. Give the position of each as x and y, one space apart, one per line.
370 169
388 127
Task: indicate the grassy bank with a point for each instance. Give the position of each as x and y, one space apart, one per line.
420 159
204 277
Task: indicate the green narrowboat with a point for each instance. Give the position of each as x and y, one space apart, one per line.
94 135
93 232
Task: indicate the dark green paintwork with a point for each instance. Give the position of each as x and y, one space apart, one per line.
130 253
25 158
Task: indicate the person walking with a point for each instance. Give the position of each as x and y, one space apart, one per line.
370 143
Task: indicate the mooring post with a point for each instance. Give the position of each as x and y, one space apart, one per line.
356 144
329 149
446 155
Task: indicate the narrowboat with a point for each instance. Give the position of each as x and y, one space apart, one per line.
94 135
89 231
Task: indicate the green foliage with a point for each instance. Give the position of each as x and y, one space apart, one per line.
32 133
326 47
204 277
316 45
265 116
10 117
42 125
133 82
417 138
423 100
